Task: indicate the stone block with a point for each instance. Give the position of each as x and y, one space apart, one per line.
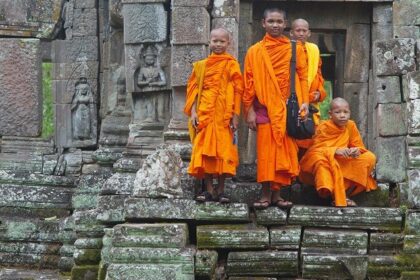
271 216
412 222
29 260
406 12
144 23
414 187
334 266
387 90
78 49
243 192
391 119
413 85
65 264
390 267
30 248
182 58
86 23
404 31
263 263
381 32
111 208
65 71
411 244
81 201
385 219
205 263
190 25
86 224
118 183
21 87
382 13
385 243
148 271
414 116
393 57
285 238
391 162
85 272
188 3
16 144
413 156
89 4
34 230
217 212
377 198
418 52
23 163
357 96
150 235
88 243
225 9
232 26
67 250
356 69
320 241
232 237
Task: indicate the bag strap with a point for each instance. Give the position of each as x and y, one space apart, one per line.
293 69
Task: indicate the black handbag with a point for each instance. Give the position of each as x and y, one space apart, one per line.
296 127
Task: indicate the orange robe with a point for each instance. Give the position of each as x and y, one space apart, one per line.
267 78
322 168
315 82
213 149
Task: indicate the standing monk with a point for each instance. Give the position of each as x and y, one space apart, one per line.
300 31
338 161
213 102
267 88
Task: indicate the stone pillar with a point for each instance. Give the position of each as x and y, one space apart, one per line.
146 71
190 28
225 14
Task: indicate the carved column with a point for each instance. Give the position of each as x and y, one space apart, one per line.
190 28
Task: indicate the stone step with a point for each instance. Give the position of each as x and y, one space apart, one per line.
205 263
412 244
391 267
27 178
285 237
119 183
35 274
16 144
271 216
385 243
12 229
149 271
30 248
150 235
377 219
111 208
29 260
263 263
21 162
246 236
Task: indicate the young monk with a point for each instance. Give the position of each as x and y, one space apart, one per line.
267 88
300 31
338 161
214 112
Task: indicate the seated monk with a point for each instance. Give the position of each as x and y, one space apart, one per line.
338 163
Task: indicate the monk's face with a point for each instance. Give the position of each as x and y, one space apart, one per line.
274 24
219 41
300 31
340 113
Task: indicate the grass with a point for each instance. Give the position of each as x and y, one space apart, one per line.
47 111
325 105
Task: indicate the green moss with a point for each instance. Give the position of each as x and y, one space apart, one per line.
48 112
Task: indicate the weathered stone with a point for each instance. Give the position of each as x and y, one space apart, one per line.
385 243
264 263
414 116
386 219
412 222
317 241
181 62
63 90
147 208
251 278
285 238
410 275
39 261
16 144
150 235
86 23
232 26
402 189
382 13
414 187
67 250
86 225
381 32
148 271
24 163
232 237
405 12
87 256
357 96
393 57
243 192
106 156
377 198
205 263
387 89
188 3
418 52
411 244
88 243
81 201
413 84
159 176
391 119
21 90
356 69
372 130
271 216
118 183
29 248
80 4
390 267
111 208
78 49
404 31
144 23
226 9
65 264
334 266
64 71
391 163
230 212
29 231
190 25
84 272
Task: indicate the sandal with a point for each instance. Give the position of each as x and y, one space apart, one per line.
261 204
351 203
204 196
223 198
282 203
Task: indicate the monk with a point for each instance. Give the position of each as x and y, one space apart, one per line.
300 31
213 102
267 88
338 162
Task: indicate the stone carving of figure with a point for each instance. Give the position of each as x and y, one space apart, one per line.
82 108
150 74
67 16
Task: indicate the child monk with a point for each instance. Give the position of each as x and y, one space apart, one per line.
338 162
213 101
300 31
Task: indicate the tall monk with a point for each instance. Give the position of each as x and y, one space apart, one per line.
338 162
267 88
300 31
213 102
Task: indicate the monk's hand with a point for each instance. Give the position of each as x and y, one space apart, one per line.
304 111
343 152
234 122
251 119
354 152
316 96
194 119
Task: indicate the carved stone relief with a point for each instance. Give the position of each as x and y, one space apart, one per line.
82 111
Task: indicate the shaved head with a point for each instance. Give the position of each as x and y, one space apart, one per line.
338 101
274 10
220 32
300 21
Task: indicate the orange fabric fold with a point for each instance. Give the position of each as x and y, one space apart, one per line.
329 173
213 149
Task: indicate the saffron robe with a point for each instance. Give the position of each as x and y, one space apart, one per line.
320 166
267 78
213 149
